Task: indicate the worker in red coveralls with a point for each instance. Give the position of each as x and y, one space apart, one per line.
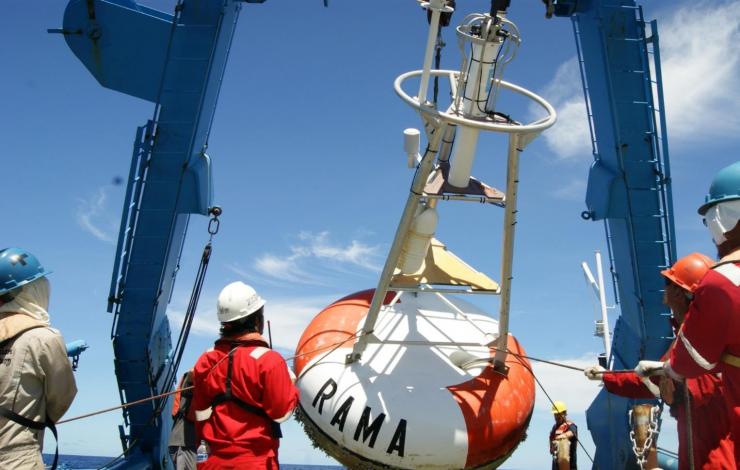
243 389
712 444
709 339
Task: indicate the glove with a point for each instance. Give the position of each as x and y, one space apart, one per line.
594 372
650 368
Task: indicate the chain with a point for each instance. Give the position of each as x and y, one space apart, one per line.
652 434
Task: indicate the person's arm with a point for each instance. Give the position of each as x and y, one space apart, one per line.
201 404
627 385
571 433
703 335
59 380
280 394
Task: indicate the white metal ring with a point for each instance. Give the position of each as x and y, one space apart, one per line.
535 126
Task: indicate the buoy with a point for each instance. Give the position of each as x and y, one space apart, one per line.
423 395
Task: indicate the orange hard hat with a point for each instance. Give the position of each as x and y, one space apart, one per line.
688 271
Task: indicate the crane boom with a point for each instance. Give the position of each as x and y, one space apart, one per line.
629 188
177 62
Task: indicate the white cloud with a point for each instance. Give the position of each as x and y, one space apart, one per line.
701 70
204 322
93 216
288 318
315 252
572 191
285 269
570 386
570 137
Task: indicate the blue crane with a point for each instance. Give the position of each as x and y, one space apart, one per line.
177 62
629 189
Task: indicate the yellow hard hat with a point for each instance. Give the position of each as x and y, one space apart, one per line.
559 407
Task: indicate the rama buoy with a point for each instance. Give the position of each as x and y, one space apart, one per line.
409 375
424 395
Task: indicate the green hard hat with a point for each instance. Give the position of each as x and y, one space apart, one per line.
725 187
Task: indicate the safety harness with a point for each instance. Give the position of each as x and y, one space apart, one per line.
182 404
229 396
35 425
8 413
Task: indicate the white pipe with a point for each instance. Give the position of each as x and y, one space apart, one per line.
474 103
418 240
462 161
447 139
436 7
507 252
602 302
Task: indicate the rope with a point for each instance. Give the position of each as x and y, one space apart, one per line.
125 405
334 346
554 363
516 356
667 452
188 320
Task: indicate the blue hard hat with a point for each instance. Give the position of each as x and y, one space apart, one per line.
725 187
17 268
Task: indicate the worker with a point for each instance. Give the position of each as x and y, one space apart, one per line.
243 389
182 443
709 339
712 446
36 381
563 439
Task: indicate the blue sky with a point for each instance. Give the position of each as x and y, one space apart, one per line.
310 171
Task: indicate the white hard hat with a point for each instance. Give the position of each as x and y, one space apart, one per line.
238 300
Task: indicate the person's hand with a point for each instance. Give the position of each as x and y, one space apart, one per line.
594 372
649 368
667 389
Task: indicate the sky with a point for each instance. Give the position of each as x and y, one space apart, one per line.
310 171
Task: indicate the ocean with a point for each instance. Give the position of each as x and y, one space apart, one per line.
86 462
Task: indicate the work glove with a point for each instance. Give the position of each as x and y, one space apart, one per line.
594 372
650 368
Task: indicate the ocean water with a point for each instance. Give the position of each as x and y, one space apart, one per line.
86 462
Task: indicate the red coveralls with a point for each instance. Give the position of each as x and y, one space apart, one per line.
238 438
710 331
713 449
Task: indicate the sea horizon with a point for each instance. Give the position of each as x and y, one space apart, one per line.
92 462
